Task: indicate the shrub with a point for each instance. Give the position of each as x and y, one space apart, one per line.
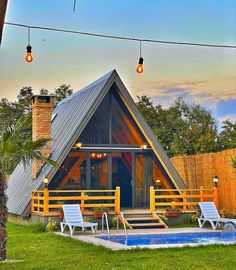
195 217
163 217
39 227
101 209
87 219
51 226
114 222
233 162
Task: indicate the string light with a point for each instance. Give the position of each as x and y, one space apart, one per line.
122 37
29 57
139 67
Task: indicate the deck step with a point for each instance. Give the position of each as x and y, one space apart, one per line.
142 218
139 218
147 225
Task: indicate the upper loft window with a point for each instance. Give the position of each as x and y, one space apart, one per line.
112 123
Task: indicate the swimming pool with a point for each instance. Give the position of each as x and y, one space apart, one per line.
173 239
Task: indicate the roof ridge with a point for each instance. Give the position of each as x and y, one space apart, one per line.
99 80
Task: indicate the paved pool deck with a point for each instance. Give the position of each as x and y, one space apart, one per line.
88 237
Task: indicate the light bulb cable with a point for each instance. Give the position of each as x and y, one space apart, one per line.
121 37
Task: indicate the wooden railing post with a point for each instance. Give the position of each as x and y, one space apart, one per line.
201 193
82 201
152 199
216 196
46 201
32 202
117 200
184 201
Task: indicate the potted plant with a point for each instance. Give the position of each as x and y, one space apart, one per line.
98 211
173 212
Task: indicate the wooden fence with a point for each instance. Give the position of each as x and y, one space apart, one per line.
199 170
184 199
49 202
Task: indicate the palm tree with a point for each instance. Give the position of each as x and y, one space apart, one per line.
15 146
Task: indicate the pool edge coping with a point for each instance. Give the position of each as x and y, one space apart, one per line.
95 240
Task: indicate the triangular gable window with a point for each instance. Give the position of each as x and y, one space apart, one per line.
112 123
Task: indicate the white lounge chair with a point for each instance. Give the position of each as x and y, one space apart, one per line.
211 214
73 218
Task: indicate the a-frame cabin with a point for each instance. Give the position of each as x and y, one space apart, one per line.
100 141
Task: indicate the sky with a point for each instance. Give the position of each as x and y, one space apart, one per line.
205 76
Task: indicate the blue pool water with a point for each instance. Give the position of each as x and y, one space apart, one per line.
177 239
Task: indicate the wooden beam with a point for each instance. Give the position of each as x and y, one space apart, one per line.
3 8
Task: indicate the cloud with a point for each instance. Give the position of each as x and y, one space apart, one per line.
221 104
209 90
228 117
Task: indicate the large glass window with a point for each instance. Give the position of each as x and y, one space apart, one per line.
97 130
99 171
124 128
112 123
159 176
72 173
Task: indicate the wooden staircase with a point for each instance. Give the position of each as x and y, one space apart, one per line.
142 219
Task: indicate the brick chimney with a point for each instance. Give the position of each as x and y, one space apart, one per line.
41 126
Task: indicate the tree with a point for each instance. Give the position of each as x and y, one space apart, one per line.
227 136
24 99
61 93
13 149
146 107
182 129
44 92
9 113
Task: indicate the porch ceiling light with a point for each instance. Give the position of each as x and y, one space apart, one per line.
144 146
45 180
78 145
216 180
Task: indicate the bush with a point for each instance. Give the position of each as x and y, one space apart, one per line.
114 223
39 227
224 214
195 217
101 209
233 162
87 219
51 226
163 217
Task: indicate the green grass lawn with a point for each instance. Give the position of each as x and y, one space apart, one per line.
49 251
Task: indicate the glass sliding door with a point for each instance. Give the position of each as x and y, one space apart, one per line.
143 179
122 176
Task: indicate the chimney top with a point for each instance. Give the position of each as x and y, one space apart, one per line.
42 99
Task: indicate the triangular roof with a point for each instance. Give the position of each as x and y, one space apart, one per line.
72 116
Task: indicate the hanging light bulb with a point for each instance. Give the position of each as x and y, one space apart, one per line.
139 67
29 57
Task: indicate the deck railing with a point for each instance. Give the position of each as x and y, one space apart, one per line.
49 202
183 198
